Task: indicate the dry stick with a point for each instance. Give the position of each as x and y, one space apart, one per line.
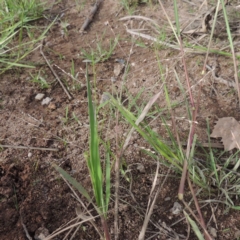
150 210
25 229
119 156
54 73
117 172
24 147
207 235
69 227
209 44
78 199
91 15
117 167
192 128
196 218
190 140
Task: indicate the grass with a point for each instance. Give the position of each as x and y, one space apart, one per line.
99 177
205 169
100 53
40 80
16 18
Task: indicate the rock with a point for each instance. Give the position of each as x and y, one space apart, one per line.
105 97
41 233
213 232
176 209
237 234
113 79
118 68
140 168
46 101
39 96
52 106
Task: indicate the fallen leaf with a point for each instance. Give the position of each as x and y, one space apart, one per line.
228 129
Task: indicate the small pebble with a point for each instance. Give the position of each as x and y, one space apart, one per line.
52 106
213 232
237 234
46 101
140 168
39 96
113 79
41 233
118 68
105 97
176 209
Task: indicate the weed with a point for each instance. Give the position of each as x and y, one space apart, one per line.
129 5
15 17
40 80
101 194
76 84
66 118
64 25
100 54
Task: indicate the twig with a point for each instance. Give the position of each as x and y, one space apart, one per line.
196 218
69 227
118 164
24 147
117 171
54 73
150 210
78 199
203 225
25 229
91 15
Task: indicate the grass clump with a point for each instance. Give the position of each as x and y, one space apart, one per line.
100 178
17 36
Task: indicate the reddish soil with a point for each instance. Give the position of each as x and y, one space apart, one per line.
33 196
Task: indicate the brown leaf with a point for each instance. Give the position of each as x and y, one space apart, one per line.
228 129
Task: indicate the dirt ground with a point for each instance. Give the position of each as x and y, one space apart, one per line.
34 198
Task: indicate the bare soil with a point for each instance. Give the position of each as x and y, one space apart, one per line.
33 196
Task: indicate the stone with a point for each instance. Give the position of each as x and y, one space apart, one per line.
39 96
46 101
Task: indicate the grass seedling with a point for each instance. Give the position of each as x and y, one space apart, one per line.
74 76
99 177
94 165
129 5
40 80
66 118
101 54
14 19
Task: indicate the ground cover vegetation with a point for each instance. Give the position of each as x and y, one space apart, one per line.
122 127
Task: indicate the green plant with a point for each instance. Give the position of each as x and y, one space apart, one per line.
99 178
66 118
15 17
101 54
40 80
64 30
76 83
129 5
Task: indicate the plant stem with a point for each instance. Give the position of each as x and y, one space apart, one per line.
105 228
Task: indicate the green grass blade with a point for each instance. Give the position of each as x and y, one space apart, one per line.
194 227
107 179
176 18
93 161
74 182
